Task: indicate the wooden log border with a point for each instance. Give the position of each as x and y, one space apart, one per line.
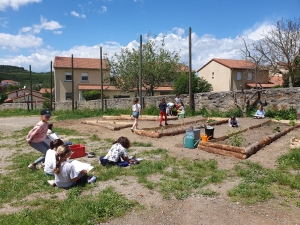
242 152
108 126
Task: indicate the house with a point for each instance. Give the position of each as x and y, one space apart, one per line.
6 83
24 95
86 73
231 74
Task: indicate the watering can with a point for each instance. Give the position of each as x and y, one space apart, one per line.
204 137
189 142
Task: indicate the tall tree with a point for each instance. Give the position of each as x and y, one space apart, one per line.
199 84
281 45
159 66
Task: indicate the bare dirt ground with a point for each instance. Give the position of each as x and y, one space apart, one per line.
196 209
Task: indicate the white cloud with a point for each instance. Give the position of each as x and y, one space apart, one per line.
15 42
15 4
103 9
46 25
73 13
256 32
57 32
204 48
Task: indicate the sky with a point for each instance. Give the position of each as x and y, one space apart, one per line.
33 32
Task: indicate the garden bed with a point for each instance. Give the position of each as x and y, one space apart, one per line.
157 132
254 138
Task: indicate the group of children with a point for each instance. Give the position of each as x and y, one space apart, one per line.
56 155
166 109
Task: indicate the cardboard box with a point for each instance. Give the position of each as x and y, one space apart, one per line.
78 151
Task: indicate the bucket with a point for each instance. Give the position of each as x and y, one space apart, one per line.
196 134
209 131
188 142
189 134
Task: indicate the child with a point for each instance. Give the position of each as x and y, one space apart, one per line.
64 171
162 111
36 137
233 122
50 157
180 110
177 100
260 113
117 152
136 110
170 106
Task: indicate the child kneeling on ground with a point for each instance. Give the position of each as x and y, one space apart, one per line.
64 171
116 153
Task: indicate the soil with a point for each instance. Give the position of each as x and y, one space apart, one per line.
196 209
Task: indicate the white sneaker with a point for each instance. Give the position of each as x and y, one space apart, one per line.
32 167
51 182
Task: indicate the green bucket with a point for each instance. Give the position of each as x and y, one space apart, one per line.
188 142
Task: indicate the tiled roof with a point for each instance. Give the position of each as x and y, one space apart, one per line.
44 90
111 88
232 63
78 63
276 80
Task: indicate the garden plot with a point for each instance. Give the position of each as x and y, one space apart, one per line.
157 132
141 117
111 125
249 140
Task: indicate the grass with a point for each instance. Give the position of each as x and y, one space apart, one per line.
172 177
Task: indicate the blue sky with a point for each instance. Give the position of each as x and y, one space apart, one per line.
33 32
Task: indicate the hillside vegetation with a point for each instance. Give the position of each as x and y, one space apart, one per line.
22 75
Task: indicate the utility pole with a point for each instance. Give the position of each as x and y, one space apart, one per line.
101 80
191 95
140 80
31 100
72 83
51 86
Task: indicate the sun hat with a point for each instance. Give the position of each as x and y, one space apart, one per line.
45 112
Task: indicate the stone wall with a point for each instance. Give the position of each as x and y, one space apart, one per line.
277 98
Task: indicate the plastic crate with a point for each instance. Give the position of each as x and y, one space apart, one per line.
78 151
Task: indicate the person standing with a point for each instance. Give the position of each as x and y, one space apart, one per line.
136 111
177 101
162 111
36 137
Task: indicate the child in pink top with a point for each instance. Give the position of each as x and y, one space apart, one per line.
36 136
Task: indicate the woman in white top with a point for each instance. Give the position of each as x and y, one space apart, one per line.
136 110
50 157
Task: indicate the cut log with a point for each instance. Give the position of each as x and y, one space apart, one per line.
222 152
241 150
152 134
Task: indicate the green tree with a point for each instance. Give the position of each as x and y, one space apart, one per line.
199 84
159 66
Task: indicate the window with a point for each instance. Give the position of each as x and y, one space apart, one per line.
68 76
213 75
249 76
68 96
84 77
239 76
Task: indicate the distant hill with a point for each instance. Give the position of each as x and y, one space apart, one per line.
21 75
